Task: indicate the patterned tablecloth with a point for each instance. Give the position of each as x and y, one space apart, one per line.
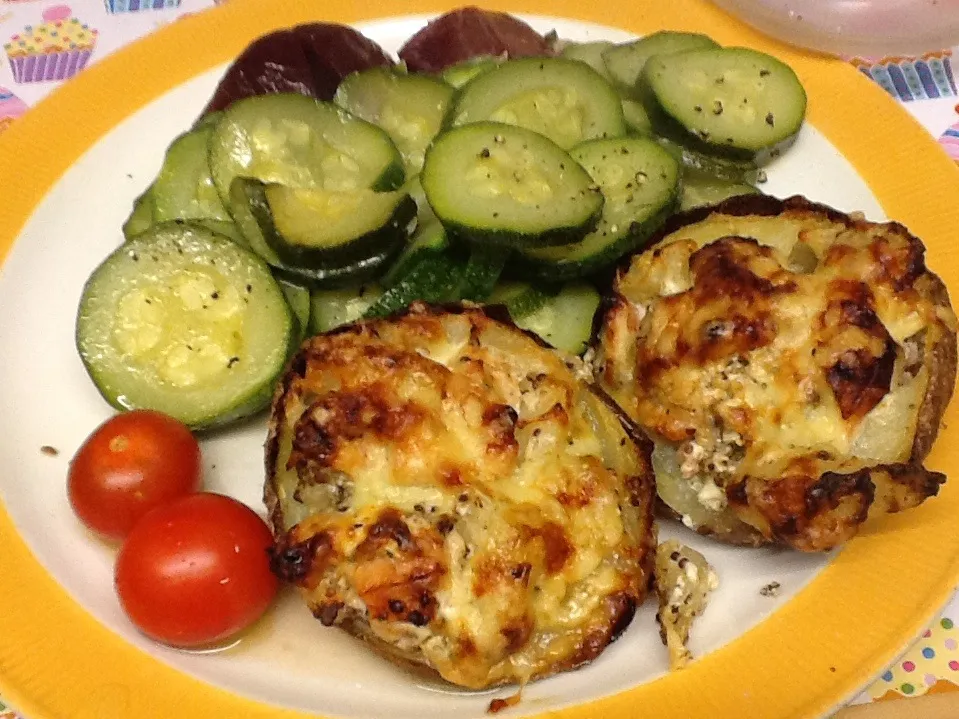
92 29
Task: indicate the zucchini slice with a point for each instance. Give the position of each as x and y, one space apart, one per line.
520 299
184 189
429 240
566 100
704 163
462 72
637 119
250 210
183 321
409 107
625 62
298 298
318 228
565 320
485 265
141 216
297 141
507 185
641 183
589 52
700 190
330 309
735 102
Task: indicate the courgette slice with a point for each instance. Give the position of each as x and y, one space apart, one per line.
566 100
485 265
298 298
700 190
565 320
183 321
410 108
641 183
297 141
625 62
521 299
735 102
184 189
141 216
637 119
330 309
704 163
436 279
589 52
510 186
429 240
461 73
323 229
250 211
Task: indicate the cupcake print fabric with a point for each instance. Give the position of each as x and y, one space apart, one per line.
56 49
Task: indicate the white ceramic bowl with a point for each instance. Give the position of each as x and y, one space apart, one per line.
855 28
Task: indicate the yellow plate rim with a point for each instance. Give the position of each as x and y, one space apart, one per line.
844 628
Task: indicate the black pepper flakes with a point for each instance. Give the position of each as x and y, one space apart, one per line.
484 153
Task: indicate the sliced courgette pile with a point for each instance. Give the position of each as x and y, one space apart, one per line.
497 180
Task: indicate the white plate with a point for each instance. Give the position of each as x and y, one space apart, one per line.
291 659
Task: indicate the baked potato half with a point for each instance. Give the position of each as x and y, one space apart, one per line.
448 489
792 364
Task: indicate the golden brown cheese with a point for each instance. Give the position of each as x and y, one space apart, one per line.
447 488
779 352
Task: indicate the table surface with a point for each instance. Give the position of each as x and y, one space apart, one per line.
926 86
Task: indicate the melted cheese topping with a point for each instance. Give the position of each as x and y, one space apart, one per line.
445 481
766 347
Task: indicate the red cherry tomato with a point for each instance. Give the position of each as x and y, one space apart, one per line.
132 463
196 571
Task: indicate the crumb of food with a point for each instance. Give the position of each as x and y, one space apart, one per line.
771 589
684 580
49 451
498 705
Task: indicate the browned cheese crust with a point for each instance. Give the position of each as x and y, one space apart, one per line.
448 489
792 364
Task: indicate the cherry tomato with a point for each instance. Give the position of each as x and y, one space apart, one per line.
132 463
196 571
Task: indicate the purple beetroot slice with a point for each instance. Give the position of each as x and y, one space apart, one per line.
308 59
271 64
464 34
335 51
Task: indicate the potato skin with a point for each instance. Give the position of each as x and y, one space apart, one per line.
512 536
885 333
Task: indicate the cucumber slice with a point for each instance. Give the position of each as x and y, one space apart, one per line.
297 141
184 189
734 102
250 211
508 185
565 320
485 265
521 299
183 321
565 100
141 217
589 52
461 73
700 190
409 107
318 228
333 308
641 183
625 62
298 298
